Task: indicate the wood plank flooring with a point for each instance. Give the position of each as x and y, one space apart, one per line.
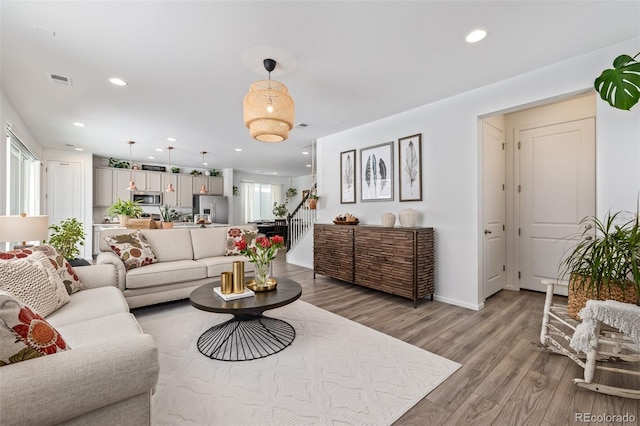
506 378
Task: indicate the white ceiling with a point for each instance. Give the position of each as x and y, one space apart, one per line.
190 63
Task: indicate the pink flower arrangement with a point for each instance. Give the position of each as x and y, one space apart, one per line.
264 250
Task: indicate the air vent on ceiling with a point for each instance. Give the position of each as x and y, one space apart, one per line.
60 79
301 125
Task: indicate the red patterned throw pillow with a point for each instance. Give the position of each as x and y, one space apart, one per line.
133 249
24 334
238 234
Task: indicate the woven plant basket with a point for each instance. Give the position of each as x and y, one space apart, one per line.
580 292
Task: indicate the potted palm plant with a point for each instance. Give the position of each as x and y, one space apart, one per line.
65 238
605 265
125 210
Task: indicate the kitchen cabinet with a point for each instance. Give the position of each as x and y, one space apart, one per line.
185 191
103 187
214 184
170 198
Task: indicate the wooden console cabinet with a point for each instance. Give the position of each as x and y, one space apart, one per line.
399 261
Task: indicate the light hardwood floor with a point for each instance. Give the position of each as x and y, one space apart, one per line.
506 378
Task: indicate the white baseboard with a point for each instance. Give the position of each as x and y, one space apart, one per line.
456 302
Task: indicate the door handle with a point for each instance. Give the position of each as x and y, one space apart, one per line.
486 231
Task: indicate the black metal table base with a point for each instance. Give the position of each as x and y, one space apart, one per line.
246 337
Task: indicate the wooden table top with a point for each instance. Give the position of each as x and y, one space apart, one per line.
205 299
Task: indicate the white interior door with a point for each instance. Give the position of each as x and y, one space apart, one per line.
493 209
64 191
556 190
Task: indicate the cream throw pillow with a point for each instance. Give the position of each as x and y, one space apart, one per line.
34 281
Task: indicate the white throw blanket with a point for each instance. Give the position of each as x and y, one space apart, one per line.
623 316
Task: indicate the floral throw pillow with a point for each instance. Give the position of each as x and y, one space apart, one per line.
133 249
238 234
24 334
61 265
30 276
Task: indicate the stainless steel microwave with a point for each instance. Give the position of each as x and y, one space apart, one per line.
147 198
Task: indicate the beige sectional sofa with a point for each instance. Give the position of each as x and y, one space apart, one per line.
105 379
186 259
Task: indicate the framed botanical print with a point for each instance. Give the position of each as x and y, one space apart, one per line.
376 172
410 167
348 177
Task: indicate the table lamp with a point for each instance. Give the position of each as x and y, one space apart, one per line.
23 228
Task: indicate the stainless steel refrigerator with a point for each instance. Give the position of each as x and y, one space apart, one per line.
216 206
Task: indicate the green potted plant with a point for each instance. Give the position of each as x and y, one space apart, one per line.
620 86
279 210
605 265
291 192
65 238
175 169
166 216
312 201
125 210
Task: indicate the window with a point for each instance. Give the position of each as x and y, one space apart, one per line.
23 178
258 199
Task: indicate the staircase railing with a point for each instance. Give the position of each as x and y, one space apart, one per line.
300 220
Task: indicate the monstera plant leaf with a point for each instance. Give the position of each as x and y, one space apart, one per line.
620 86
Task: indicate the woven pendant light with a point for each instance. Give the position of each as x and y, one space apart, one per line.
268 109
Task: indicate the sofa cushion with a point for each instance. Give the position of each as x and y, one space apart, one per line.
63 268
238 234
216 265
170 244
133 249
89 304
100 330
33 280
208 242
165 273
24 334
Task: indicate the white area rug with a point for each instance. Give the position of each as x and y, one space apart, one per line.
335 372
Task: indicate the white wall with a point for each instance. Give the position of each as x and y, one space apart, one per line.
450 162
86 164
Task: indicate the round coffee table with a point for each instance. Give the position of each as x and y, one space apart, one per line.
248 335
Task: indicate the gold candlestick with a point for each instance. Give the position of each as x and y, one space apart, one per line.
238 277
226 282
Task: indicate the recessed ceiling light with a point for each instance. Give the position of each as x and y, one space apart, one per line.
159 149
275 173
78 124
205 164
475 35
117 81
238 149
305 152
308 165
151 158
172 139
79 149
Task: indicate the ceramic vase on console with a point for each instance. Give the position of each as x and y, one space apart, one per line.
388 220
408 218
